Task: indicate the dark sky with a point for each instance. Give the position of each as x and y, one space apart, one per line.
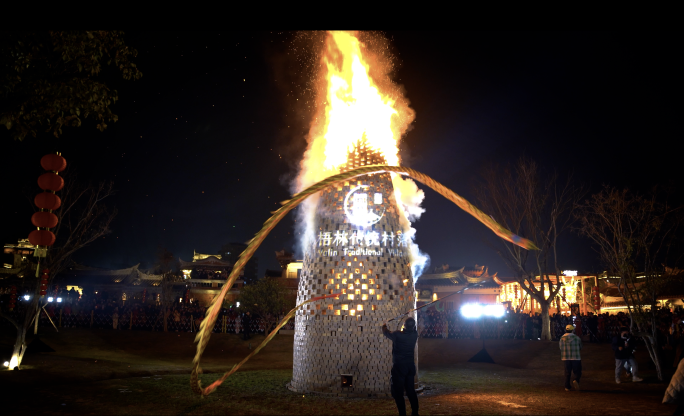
208 137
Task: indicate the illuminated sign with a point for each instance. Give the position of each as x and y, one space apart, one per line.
570 272
359 213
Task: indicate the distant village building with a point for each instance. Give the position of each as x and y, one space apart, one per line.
205 275
15 257
444 281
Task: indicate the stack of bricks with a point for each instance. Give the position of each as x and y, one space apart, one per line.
368 265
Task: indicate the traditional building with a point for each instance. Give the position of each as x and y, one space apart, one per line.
205 276
571 294
444 281
15 257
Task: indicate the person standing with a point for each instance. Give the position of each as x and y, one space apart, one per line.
570 346
403 366
624 347
246 322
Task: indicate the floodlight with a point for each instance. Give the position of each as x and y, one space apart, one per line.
6 363
496 311
27 297
59 300
50 299
471 310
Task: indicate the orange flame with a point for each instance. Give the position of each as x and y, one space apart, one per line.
355 107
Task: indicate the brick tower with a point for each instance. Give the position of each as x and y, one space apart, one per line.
360 253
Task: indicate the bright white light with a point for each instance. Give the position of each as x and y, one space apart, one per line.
59 300
27 297
471 310
496 311
50 299
14 362
474 310
237 304
6 363
570 272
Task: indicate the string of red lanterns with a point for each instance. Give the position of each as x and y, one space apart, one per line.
47 202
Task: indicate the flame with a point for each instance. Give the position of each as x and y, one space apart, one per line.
360 103
355 108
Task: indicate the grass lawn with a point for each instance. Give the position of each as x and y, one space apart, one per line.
105 372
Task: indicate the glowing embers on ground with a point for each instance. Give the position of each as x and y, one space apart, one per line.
475 310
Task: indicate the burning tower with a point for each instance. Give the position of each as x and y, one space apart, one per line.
361 253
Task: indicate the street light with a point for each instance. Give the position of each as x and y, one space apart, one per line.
27 297
59 300
50 299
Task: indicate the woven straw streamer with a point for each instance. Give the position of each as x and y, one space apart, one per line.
202 338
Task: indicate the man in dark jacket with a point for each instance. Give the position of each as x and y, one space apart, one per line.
624 347
403 368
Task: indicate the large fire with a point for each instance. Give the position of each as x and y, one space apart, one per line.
360 103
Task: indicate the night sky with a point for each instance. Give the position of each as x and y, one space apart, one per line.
208 139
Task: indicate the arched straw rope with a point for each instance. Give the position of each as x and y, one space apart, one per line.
207 325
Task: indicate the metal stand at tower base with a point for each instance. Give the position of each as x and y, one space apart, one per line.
482 356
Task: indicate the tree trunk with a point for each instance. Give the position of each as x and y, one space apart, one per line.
652 349
546 323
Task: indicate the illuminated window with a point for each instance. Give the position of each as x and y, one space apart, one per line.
359 307
352 312
351 286
337 312
350 296
345 307
371 291
357 291
330 306
364 297
364 286
348 263
364 276
338 275
434 296
379 297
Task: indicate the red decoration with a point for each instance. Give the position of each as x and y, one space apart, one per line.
13 298
44 219
53 162
50 182
42 238
44 282
47 200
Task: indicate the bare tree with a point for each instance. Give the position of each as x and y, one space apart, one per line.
537 207
636 237
83 218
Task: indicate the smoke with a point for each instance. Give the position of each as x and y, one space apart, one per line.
409 197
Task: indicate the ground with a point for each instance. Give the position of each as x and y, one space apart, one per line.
129 372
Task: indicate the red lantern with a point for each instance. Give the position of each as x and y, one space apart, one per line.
53 162
42 238
50 181
47 200
44 219
44 282
13 298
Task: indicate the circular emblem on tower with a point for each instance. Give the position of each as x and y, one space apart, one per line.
356 206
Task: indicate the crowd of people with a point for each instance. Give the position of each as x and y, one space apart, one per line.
70 310
602 327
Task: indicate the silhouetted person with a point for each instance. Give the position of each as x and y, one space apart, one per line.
403 368
246 321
